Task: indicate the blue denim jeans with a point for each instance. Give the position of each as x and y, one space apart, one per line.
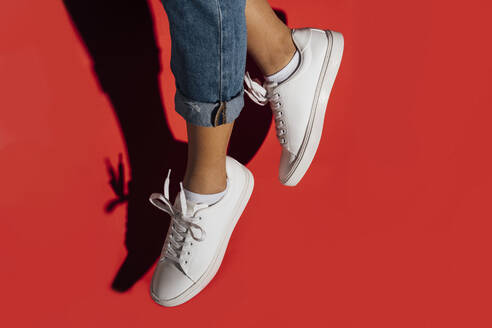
208 58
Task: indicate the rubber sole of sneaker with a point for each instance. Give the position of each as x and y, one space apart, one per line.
312 137
214 266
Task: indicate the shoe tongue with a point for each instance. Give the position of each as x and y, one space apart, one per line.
191 207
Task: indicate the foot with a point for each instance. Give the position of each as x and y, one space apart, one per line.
299 103
197 237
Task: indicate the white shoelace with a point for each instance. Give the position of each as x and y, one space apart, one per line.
262 95
181 222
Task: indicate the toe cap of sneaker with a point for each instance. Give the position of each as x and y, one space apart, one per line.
169 282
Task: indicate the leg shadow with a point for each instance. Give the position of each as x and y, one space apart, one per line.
119 37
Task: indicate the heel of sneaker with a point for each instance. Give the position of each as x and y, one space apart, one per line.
338 46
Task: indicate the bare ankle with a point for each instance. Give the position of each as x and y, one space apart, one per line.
280 55
210 183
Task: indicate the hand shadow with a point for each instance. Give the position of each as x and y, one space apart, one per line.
119 37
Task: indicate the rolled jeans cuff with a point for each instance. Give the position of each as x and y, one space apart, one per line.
209 114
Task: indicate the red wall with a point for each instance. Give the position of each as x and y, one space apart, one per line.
390 228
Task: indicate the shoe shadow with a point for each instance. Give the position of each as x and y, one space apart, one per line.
119 37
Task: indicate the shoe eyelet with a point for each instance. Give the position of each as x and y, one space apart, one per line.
188 253
186 262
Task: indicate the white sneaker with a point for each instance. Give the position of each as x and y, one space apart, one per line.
299 103
197 237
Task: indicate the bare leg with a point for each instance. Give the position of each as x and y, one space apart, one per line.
207 149
269 39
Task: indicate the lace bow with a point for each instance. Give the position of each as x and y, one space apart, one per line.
181 221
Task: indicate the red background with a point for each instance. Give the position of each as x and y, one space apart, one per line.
390 228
